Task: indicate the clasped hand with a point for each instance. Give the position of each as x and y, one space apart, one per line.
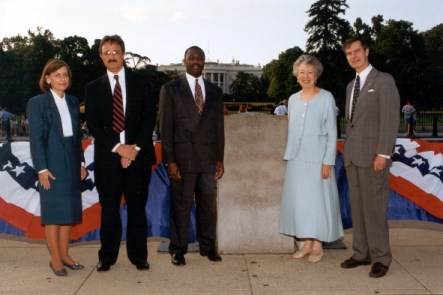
128 153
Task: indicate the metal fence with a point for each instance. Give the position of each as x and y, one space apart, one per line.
429 123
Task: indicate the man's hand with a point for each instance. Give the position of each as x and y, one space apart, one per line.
379 163
174 172
125 162
219 170
127 151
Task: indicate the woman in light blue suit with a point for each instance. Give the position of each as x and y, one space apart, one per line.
55 139
309 208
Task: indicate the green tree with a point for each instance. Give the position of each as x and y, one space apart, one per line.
136 61
155 78
247 87
327 31
74 50
22 60
400 51
431 80
279 75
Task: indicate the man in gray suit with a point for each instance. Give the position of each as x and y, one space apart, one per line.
193 141
373 117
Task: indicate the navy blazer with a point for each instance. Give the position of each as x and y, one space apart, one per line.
195 142
46 132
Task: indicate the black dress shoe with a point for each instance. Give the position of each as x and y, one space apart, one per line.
102 267
142 266
75 266
212 256
178 259
378 270
351 263
61 273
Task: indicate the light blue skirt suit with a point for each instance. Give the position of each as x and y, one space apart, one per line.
309 206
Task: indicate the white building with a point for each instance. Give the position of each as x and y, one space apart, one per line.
221 74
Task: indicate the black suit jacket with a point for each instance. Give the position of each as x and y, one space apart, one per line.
140 117
195 142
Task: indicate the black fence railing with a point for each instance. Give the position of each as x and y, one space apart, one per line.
429 123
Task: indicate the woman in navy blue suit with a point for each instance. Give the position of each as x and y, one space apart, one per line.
55 140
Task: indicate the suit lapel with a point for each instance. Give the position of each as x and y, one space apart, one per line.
369 83
73 112
54 113
189 102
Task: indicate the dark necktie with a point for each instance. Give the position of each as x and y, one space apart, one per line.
118 116
198 97
356 94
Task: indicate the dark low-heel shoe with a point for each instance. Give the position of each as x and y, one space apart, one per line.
75 266
61 273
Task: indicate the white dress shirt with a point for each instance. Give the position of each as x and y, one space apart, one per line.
65 116
191 81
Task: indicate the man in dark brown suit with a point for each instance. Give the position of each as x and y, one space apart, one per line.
373 113
192 130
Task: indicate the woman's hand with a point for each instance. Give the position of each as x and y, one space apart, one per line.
44 179
83 173
326 171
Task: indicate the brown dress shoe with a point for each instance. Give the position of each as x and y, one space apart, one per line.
378 270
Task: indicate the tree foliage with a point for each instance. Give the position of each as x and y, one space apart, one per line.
279 75
24 57
414 59
325 28
247 87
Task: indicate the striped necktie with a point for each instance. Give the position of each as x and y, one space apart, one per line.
118 115
355 96
198 97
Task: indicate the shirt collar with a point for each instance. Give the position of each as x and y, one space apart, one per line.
121 75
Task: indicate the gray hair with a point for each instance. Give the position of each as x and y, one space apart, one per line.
309 60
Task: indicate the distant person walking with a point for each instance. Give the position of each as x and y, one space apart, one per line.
6 123
410 117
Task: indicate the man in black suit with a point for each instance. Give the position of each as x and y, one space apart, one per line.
121 115
192 130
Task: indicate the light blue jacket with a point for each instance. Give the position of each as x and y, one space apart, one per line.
312 131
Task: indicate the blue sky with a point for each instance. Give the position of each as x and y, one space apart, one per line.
252 32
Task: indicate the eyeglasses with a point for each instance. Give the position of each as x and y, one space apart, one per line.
61 76
109 53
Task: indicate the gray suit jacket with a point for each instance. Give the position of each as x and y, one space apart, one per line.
374 127
195 142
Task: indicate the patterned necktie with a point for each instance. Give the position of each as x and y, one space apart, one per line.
356 94
198 97
118 116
